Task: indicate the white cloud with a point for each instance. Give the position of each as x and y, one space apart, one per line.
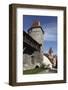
50 32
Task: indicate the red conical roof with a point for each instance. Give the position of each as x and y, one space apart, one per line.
36 23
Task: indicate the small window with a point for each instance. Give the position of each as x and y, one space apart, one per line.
32 60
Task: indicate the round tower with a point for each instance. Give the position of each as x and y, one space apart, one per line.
36 32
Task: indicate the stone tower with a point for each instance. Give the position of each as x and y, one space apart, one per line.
36 32
33 58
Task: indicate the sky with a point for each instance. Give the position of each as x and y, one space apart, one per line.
49 26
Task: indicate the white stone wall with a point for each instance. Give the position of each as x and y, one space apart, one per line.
37 35
47 62
26 59
29 62
38 57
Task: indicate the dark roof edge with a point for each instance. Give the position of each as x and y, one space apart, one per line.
36 27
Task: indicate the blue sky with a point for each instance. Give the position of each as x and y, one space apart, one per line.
49 25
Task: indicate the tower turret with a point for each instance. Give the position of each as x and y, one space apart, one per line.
36 32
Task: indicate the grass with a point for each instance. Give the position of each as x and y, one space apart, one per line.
33 71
